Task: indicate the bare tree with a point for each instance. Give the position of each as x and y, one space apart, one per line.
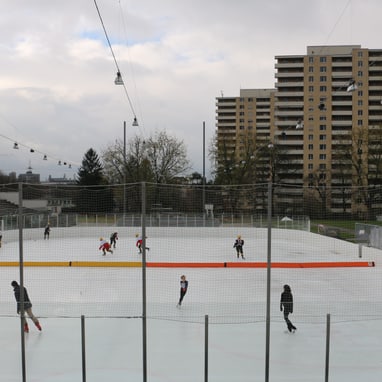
158 159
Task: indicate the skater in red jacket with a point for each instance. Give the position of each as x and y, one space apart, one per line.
104 246
139 243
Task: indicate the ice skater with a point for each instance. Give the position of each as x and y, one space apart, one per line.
104 246
1 237
27 306
113 239
183 289
139 243
286 304
238 245
46 231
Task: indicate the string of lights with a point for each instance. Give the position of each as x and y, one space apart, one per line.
19 145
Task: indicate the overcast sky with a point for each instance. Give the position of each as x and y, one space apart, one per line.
57 91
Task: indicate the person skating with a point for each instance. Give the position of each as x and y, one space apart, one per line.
113 239
27 305
286 305
139 243
104 246
1 237
46 231
238 245
183 289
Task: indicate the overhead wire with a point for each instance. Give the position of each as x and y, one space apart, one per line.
119 74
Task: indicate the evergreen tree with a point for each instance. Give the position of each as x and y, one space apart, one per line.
91 171
94 195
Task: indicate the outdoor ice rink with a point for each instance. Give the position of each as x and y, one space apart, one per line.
233 298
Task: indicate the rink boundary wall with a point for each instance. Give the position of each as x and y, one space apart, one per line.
137 264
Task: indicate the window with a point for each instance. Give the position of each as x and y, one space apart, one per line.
322 167
322 88
311 69
360 54
322 59
360 93
322 157
360 112
323 69
322 147
310 137
322 127
323 118
310 156
311 79
250 99
360 64
360 73
322 137
310 146
322 78
311 89
310 166
360 122
311 59
360 102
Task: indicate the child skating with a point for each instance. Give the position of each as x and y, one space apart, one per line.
183 289
113 239
238 245
104 246
139 243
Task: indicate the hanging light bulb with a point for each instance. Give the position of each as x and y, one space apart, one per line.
31 150
59 163
70 166
135 122
118 80
45 157
16 146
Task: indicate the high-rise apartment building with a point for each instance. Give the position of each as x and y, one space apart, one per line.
324 118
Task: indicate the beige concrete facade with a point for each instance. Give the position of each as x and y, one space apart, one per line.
333 149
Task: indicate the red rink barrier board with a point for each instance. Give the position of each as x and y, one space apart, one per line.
121 264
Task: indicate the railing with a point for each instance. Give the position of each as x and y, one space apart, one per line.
11 222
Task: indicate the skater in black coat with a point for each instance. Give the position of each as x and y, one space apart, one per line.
27 305
286 304
113 239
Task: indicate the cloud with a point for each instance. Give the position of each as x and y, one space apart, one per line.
57 73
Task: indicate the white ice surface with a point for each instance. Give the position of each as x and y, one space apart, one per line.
353 296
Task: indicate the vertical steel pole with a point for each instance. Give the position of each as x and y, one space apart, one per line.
144 322
269 262
327 347
83 348
21 270
204 175
206 348
124 171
